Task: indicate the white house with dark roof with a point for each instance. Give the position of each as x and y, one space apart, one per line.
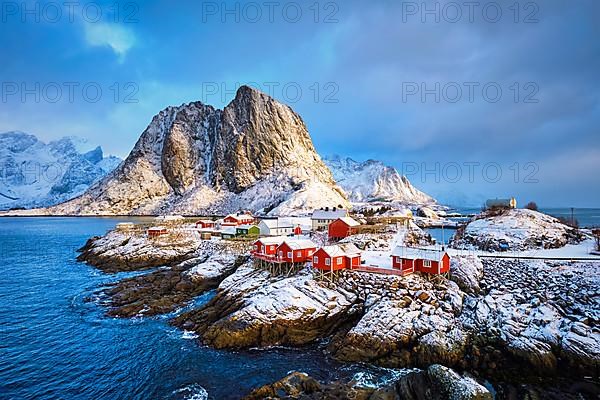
322 218
275 227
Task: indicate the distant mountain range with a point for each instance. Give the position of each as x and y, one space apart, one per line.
373 181
38 174
255 154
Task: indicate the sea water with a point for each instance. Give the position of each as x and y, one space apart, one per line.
56 345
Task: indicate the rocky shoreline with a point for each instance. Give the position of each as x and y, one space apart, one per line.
499 320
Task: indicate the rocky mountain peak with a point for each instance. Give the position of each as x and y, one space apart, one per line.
256 153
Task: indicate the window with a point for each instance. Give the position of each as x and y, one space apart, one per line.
427 263
316 260
289 254
328 261
310 252
298 254
339 261
280 253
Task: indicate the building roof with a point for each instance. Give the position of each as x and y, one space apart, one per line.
157 228
349 221
412 253
338 250
230 230
205 221
275 224
329 214
298 244
240 217
272 240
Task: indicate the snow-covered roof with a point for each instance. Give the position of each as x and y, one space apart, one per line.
296 244
349 221
412 253
157 228
330 214
230 230
275 223
272 240
205 221
241 217
346 249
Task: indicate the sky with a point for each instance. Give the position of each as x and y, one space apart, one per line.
470 100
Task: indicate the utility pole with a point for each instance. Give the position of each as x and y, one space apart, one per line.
572 216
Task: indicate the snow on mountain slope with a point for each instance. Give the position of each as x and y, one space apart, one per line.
254 154
372 181
36 174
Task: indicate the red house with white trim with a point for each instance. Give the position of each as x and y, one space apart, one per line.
342 227
267 246
409 260
295 251
238 219
157 231
205 223
337 257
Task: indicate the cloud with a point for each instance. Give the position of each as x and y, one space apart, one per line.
115 36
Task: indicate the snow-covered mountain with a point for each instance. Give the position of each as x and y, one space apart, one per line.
373 181
254 154
38 174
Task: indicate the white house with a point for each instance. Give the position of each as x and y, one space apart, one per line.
275 227
322 218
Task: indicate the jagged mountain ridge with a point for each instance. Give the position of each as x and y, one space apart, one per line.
254 154
38 174
371 180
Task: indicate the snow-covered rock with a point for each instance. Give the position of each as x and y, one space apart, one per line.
467 272
515 230
38 174
118 251
254 309
435 383
373 181
255 154
408 321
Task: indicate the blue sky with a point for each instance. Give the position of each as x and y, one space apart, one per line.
452 96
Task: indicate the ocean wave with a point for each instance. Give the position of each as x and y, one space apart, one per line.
191 392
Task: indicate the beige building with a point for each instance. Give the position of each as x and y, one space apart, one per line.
322 218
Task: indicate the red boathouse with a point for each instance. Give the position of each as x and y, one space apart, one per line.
205 223
337 257
409 260
157 231
238 219
342 227
295 251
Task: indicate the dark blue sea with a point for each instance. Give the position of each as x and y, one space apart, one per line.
56 345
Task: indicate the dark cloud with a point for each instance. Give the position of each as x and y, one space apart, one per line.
370 54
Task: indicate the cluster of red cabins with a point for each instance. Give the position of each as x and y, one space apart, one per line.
284 251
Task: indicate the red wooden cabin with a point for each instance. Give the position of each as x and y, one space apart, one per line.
294 251
337 257
298 230
238 219
205 223
342 227
267 247
410 260
157 231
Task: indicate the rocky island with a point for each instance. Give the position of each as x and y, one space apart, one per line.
501 321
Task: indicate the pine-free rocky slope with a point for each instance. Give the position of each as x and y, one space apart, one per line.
254 154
